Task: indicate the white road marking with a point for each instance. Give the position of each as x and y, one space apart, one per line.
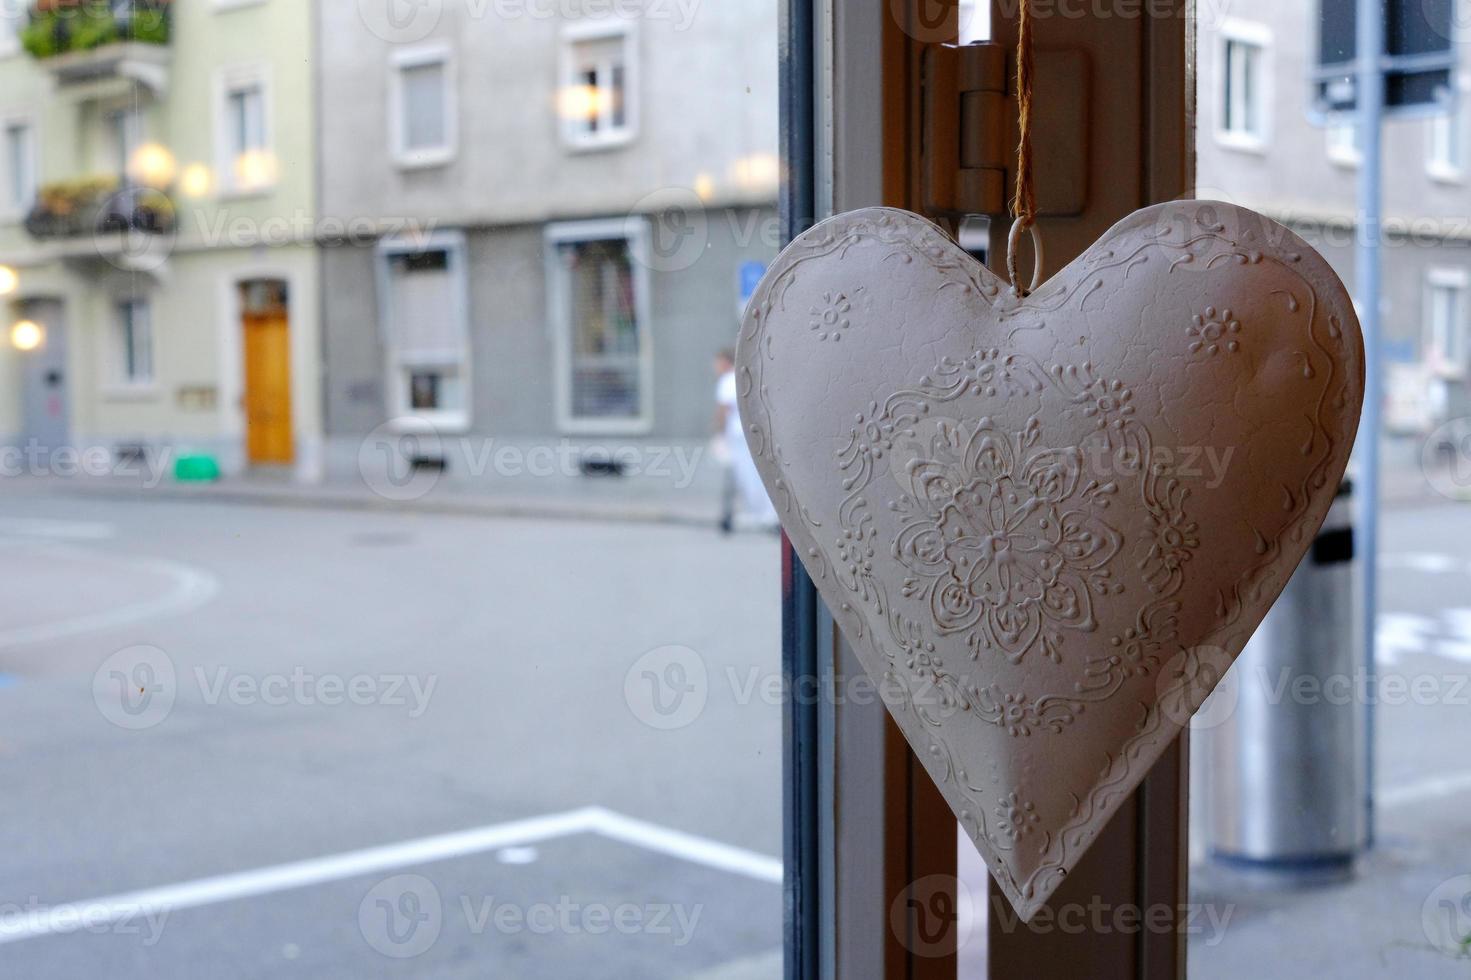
191 588
678 844
1434 787
1401 633
1429 562
98 912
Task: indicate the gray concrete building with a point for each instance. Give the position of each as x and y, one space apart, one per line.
545 226
1257 145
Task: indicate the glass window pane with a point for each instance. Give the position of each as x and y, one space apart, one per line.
1278 824
424 107
412 608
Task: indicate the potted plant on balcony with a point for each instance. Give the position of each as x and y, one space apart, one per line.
57 27
99 205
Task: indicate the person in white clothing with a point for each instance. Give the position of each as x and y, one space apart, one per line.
742 480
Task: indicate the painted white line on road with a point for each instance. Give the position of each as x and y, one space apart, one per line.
1432 788
1399 634
150 902
1430 562
678 844
190 588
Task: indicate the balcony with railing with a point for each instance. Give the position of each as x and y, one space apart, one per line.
104 218
97 42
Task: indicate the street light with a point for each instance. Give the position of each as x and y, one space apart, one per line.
27 335
8 280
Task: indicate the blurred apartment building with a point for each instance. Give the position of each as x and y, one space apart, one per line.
1256 146
157 199
269 232
571 211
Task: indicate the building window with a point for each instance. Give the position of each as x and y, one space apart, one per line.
600 318
426 329
247 162
598 97
19 167
1445 157
126 130
1342 139
423 107
11 20
1243 91
134 344
1445 320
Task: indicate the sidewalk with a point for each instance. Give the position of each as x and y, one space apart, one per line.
1405 484
591 498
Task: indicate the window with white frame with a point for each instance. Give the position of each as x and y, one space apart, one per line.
133 344
1445 156
1445 319
125 129
426 329
1244 98
19 166
11 20
246 161
597 101
423 106
600 318
1342 139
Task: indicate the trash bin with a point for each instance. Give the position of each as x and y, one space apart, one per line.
1287 767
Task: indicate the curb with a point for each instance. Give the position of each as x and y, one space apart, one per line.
462 505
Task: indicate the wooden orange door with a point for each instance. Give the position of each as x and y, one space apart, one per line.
267 387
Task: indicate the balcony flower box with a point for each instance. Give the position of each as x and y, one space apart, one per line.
99 206
61 27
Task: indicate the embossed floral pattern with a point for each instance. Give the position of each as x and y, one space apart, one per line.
831 318
997 542
1213 331
1015 818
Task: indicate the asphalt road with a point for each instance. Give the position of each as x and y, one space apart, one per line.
243 741
1410 899
189 691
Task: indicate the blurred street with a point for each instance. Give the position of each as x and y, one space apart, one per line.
341 688
1393 909
330 681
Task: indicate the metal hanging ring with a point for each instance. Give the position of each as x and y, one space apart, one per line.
1011 242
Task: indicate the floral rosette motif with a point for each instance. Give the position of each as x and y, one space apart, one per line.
999 540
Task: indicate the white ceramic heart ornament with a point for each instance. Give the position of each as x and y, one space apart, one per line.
1047 524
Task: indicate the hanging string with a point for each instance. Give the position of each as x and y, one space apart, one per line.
1024 197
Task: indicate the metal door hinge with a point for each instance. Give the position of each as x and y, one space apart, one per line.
969 133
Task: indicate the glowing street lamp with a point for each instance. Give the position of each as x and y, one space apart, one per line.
27 335
9 280
152 165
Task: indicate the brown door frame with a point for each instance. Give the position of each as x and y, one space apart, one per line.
885 837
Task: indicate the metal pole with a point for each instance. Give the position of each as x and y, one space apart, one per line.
1370 105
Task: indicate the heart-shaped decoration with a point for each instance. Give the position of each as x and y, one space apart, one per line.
1047 525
